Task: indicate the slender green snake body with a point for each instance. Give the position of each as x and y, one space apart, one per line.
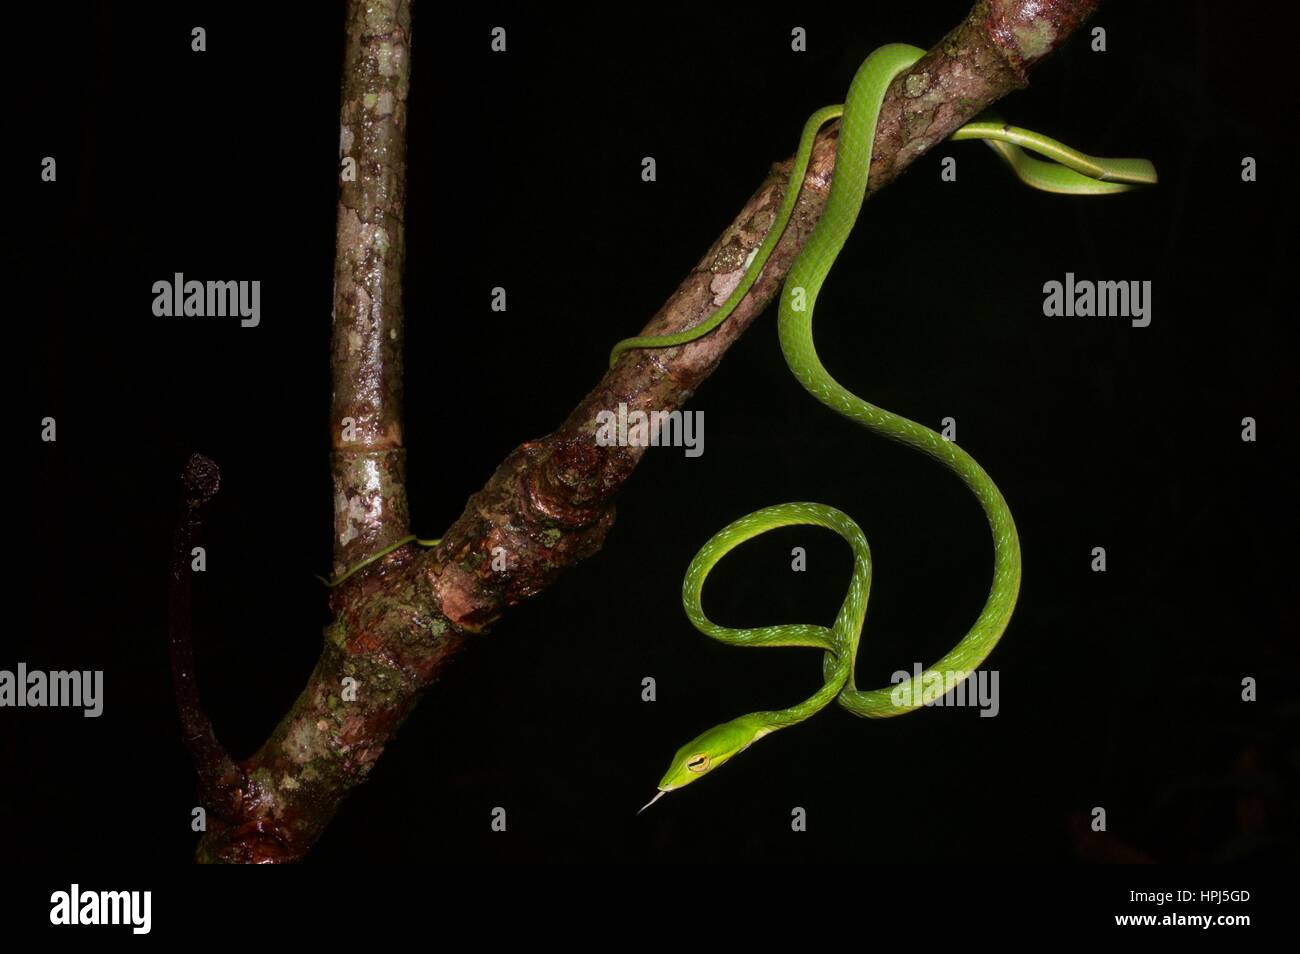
1068 171
375 557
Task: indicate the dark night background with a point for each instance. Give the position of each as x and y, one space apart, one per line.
1119 689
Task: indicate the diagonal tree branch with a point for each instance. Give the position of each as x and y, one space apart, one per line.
551 502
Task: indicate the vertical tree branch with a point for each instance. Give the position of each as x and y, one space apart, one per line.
368 462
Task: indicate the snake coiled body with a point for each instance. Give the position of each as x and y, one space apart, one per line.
1069 171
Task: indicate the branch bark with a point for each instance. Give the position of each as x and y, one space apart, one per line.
551 502
368 461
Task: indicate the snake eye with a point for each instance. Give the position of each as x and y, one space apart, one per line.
698 763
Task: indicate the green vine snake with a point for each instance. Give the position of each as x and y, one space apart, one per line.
1066 171
377 555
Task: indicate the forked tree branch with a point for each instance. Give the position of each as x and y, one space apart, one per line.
551 502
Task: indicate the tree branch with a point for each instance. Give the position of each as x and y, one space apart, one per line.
220 780
551 502
368 461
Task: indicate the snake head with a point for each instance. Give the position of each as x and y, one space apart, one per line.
708 750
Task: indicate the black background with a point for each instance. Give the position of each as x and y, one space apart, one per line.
1119 689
